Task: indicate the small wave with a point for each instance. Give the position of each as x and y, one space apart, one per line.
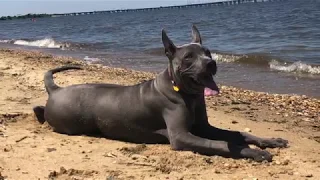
89 59
5 41
217 56
297 67
44 43
251 59
268 62
47 42
225 57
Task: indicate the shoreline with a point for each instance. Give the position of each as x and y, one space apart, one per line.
241 94
256 73
292 117
286 106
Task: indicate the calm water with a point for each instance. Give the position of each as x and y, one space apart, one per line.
270 46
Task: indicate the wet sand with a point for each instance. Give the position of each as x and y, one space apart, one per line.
32 151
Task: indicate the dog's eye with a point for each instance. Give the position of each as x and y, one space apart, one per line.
189 56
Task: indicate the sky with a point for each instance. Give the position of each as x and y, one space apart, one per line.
21 7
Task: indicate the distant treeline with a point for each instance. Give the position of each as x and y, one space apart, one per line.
27 16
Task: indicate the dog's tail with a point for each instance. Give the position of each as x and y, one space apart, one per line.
48 77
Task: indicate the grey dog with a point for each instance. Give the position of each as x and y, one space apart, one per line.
168 109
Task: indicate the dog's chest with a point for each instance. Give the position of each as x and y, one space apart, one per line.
191 106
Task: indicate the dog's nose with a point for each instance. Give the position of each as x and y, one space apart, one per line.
212 67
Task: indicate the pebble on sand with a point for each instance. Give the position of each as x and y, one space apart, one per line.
309 175
247 130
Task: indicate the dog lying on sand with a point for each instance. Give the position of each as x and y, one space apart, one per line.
168 109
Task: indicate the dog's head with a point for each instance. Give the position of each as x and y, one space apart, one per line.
191 66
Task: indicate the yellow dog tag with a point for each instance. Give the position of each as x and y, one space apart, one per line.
176 88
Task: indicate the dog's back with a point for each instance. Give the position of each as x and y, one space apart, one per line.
107 109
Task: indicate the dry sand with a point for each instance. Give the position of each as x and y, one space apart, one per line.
30 151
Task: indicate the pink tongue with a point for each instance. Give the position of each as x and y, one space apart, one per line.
211 90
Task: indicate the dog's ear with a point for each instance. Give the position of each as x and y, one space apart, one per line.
169 47
196 38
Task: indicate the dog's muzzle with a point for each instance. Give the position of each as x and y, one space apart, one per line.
207 80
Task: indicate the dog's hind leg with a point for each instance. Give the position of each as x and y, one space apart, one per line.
39 112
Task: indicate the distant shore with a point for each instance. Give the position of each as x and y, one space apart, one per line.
27 16
226 2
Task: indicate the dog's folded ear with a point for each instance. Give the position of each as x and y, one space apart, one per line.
170 48
196 38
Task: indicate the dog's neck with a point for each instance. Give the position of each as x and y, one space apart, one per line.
176 86
163 83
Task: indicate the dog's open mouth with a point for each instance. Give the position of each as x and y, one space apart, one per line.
211 88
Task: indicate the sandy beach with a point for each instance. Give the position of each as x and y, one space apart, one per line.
32 151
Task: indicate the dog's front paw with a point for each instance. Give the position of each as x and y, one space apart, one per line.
273 143
262 156
257 155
